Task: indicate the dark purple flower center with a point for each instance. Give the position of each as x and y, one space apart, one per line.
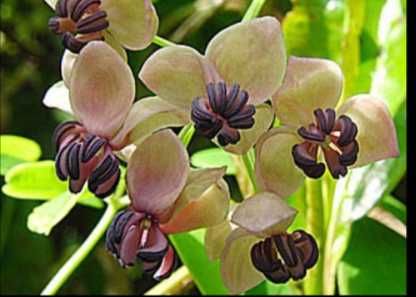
223 113
335 137
285 256
83 157
135 237
79 21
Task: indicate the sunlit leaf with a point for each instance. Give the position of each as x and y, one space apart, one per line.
375 262
269 288
45 216
16 149
213 157
305 30
205 273
38 181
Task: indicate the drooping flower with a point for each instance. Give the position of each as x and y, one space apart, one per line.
224 91
122 23
101 98
314 134
257 245
166 197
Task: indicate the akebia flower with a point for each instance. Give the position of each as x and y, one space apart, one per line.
166 197
224 91
315 134
259 246
122 23
101 98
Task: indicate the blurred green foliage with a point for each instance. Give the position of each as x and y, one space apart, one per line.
30 63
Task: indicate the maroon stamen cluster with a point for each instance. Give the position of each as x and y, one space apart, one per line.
285 256
223 113
135 237
80 21
336 138
82 156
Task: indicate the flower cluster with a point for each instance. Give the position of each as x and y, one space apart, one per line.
231 94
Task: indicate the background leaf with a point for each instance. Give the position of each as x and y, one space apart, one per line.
375 262
205 273
44 217
213 157
38 180
15 150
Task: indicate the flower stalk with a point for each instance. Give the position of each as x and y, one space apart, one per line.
83 251
313 284
162 42
253 10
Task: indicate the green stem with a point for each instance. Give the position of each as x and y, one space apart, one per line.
69 267
313 284
249 164
162 42
253 10
177 283
186 134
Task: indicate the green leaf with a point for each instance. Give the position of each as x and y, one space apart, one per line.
44 217
213 157
15 150
389 82
38 180
305 30
375 261
33 180
269 288
205 273
395 207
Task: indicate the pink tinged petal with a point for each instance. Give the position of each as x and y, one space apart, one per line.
155 246
263 119
133 23
203 202
102 89
67 64
376 136
310 83
264 214
126 152
167 266
215 239
175 74
148 115
57 96
237 270
251 54
130 244
157 172
275 168
115 44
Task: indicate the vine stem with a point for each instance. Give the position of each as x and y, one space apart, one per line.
253 10
313 284
162 42
63 274
186 134
248 160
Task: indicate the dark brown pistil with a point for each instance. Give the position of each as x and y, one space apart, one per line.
83 157
223 113
79 21
335 137
285 256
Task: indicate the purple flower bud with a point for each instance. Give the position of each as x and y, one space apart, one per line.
135 236
284 256
80 21
336 138
223 113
